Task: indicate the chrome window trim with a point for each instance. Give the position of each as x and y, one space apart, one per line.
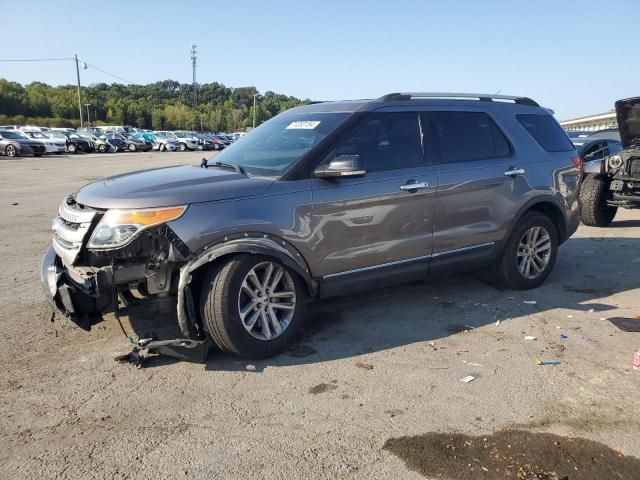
409 260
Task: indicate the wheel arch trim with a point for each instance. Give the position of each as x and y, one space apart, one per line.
253 245
538 201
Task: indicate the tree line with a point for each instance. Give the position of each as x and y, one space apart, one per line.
165 105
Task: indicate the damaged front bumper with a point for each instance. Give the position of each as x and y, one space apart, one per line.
625 193
80 296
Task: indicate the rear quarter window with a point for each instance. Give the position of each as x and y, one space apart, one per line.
546 131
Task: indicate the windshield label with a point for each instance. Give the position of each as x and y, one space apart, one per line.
304 124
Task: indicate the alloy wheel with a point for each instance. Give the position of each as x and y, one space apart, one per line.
267 301
11 151
534 252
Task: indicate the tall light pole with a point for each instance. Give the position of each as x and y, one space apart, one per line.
79 98
88 116
254 109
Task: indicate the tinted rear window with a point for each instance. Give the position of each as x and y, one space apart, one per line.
546 131
465 136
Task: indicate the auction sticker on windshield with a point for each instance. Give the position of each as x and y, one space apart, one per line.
304 124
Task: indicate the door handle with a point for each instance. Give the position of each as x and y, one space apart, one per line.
413 186
513 172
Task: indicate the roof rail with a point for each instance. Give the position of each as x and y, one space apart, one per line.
485 97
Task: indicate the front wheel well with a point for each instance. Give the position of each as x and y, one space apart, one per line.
554 213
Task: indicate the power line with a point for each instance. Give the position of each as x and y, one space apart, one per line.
59 59
107 73
35 59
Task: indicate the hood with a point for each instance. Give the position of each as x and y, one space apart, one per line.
628 115
169 186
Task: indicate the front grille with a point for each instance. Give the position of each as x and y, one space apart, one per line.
634 168
37 147
71 227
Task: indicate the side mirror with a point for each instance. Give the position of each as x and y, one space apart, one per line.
343 166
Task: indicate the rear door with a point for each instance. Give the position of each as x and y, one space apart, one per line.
482 181
379 220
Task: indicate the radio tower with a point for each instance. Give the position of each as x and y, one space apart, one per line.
194 60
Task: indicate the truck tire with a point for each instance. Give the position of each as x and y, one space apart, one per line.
252 305
594 193
533 241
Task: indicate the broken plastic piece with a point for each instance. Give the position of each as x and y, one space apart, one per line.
563 336
468 379
530 337
529 302
552 362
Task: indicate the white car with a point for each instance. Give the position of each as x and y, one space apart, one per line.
51 145
164 144
184 140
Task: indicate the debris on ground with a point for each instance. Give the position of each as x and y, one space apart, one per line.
551 362
530 337
468 379
251 368
473 364
529 302
462 350
512 455
364 366
563 336
636 360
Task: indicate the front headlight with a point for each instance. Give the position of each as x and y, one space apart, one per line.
119 227
615 161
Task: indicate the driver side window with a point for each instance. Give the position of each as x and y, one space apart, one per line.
384 141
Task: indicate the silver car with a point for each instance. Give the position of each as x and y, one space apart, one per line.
324 199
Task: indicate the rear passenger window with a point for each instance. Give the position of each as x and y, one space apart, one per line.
465 136
546 131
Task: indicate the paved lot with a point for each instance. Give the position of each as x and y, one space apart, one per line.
365 370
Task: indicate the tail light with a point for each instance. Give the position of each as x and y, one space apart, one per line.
577 161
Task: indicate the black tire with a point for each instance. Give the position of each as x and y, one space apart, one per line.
182 147
102 148
506 265
594 193
72 148
220 289
37 154
131 147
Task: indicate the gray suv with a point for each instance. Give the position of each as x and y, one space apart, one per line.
324 199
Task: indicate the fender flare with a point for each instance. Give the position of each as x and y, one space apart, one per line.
254 245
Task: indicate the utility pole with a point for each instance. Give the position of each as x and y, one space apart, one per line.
194 60
201 123
254 109
79 98
88 116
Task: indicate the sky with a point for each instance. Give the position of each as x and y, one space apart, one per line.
574 57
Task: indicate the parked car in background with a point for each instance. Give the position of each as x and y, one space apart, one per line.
184 139
100 144
594 191
204 141
328 199
163 143
218 144
13 144
51 145
120 142
75 143
608 133
136 141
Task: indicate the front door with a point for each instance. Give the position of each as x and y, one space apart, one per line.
379 220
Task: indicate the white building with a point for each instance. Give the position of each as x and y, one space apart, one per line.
592 122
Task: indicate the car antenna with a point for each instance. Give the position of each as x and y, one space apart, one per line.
204 163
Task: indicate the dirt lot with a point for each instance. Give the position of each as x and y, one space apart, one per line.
366 372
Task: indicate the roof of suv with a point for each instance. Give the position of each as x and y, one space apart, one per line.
410 98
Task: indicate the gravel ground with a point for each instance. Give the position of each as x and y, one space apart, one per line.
366 370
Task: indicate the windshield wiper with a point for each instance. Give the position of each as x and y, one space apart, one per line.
236 168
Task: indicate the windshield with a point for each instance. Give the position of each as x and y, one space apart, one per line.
274 146
181 134
89 136
13 135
